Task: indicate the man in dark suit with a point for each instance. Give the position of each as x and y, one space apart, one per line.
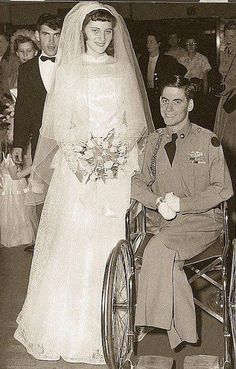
156 68
34 80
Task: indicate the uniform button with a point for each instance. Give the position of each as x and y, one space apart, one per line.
182 135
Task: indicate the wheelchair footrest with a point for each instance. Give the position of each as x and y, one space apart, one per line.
201 362
154 362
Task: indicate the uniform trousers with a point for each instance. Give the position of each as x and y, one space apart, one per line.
165 298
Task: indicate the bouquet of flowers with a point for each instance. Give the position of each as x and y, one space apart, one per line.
6 120
102 156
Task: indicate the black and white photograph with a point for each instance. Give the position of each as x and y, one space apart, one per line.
117 184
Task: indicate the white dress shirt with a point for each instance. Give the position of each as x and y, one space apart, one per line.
47 70
150 71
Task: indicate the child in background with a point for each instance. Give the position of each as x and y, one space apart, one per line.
18 222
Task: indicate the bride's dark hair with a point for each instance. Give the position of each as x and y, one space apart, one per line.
100 15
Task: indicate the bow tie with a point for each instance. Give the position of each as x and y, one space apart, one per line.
45 58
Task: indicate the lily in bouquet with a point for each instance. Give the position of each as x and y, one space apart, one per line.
102 156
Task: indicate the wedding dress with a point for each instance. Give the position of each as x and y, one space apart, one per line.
80 225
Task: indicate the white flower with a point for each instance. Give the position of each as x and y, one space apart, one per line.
108 164
104 153
113 149
88 154
109 174
105 145
90 144
79 148
93 177
116 142
121 160
122 149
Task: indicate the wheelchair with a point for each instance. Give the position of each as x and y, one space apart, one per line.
119 335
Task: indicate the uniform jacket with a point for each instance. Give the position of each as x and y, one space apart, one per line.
29 104
199 174
165 67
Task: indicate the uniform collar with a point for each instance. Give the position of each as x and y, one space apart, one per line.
182 133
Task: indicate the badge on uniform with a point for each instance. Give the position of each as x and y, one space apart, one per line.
196 157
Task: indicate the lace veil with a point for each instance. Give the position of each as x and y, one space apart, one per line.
63 120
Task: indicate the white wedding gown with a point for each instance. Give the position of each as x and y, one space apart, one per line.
80 225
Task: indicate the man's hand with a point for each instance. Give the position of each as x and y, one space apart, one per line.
17 155
173 202
165 211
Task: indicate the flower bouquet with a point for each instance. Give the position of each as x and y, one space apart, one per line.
6 120
102 156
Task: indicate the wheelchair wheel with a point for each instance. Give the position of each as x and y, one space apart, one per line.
118 307
232 302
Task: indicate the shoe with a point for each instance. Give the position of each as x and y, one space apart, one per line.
142 332
29 249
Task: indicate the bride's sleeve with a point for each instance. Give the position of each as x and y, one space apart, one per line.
134 125
68 133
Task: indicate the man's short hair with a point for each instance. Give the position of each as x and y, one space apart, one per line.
230 25
155 34
180 82
53 21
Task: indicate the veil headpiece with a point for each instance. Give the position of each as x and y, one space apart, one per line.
62 120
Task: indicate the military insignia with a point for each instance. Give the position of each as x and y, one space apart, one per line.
196 157
215 142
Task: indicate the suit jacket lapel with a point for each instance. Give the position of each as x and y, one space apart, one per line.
36 76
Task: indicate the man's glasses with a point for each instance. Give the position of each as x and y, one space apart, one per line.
190 43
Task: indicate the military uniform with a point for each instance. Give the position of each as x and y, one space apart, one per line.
199 177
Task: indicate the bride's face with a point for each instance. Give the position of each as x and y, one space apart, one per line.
99 35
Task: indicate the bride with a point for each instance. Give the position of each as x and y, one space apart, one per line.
94 116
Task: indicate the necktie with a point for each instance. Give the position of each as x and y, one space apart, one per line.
170 148
45 58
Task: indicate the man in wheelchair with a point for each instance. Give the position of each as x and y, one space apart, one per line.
184 180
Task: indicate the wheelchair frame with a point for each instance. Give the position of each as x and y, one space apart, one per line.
119 293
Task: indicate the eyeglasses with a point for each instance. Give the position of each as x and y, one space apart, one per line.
190 43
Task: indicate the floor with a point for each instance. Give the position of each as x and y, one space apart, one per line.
14 271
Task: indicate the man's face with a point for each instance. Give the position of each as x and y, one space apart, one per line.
26 51
3 45
173 40
174 105
49 39
152 44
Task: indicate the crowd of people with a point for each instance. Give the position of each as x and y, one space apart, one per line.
93 127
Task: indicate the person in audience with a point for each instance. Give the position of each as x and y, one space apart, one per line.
197 66
9 64
155 68
184 180
225 126
34 81
96 109
18 222
197 72
175 49
24 45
